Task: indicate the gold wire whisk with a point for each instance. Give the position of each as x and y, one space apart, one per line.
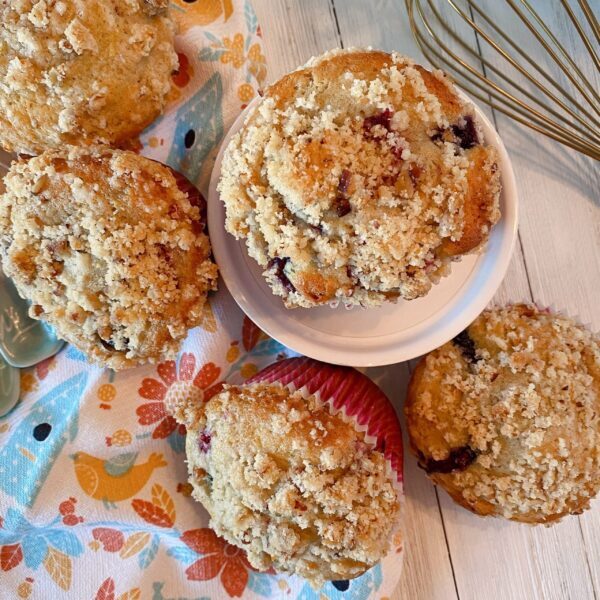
496 69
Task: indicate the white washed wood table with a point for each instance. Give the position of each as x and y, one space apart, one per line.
450 552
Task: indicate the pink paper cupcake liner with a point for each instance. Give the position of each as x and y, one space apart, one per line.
349 392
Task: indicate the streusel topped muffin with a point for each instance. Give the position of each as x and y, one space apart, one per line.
358 178
81 72
506 417
289 481
109 248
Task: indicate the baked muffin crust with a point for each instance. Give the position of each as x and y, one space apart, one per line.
506 417
358 178
81 72
109 249
295 486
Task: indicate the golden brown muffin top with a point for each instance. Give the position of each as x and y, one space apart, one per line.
506 417
296 487
356 178
81 72
109 250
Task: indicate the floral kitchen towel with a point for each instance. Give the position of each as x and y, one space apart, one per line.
94 502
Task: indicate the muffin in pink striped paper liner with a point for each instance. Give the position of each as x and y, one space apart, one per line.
301 466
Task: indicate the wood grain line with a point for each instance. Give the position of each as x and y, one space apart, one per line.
337 23
437 497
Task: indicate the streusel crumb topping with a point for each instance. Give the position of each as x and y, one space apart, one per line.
295 486
109 250
515 400
357 178
81 72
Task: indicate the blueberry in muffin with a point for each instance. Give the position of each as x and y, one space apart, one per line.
357 179
506 416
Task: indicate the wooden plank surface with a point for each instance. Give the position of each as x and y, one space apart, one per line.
451 553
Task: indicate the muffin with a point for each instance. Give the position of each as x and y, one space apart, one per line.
81 72
296 483
358 178
506 416
109 248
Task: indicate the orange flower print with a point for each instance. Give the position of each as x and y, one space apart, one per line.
28 383
219 558
234 51
170 375
44 367
245 92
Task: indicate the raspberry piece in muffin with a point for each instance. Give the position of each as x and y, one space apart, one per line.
110 249
366 174
506 417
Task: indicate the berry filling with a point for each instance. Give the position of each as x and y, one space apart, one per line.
463 134
204 441
458 460
466 133
342 206
277 267
383 119
344 181
464 342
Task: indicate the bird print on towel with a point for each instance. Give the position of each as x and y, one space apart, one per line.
44 427
115 479
199 129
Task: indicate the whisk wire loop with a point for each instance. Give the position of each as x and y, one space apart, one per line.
569 114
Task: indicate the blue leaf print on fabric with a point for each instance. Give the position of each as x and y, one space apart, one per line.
177 442
266 347
259 583
212 37
183 554
75 354
14 522
210 54
65 541
377 572
148 554
199 129
34 549
251 18
28 455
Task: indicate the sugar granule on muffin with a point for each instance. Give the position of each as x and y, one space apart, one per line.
297 487
506 417
358 178
110 250
81 72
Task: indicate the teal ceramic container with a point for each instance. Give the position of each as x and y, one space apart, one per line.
9 386
23 340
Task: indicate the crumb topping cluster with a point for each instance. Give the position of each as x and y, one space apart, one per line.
349 181
109 250
293 485
521 391
75 71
